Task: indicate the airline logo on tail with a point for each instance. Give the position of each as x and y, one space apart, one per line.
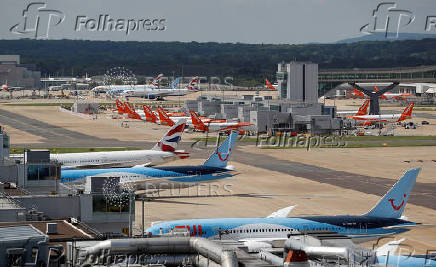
392 201
197 122
149 115
120 107
269 85
172 138
131 111
407 113
163 117
193 85
156 81
363 110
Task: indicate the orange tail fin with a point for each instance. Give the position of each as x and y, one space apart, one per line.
131 111
198 124
164 119
269 85
363 110
407 113
149 115
120 107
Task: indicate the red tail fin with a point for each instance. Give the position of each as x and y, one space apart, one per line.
131 111
120 107
363 110
407 113
198 124
358 93
192 86
149 115
164 119
269 85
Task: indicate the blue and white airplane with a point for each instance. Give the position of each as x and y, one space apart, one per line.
382 220
212 169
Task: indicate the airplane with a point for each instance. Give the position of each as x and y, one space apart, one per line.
363 110
164 151
212 126
5 87
389 95
158 93
166 119
405 115
215 167
120 89
269 85
384 219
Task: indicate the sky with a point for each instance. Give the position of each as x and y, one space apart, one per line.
245 21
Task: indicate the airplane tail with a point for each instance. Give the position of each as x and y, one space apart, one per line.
149 115
382 96
198 123
156 81
358 93
170 140
363 110
193 84
269 85
131 111
120 107
393 203
174 83
407 113
221 156
163 117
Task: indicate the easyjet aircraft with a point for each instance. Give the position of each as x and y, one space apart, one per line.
166 119
389 95
269 85
219 126
406 114
363 110
5 87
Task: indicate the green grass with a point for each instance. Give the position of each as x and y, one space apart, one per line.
19 150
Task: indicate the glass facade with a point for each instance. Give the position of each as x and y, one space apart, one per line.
103 203
37 172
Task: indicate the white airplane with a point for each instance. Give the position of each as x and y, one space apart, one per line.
5 87
159 93
388 118
119 89
363 110
163 151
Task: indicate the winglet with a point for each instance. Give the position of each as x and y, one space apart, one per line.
170 140
393 203
221 156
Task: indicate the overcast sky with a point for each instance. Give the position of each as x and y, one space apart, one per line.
247 21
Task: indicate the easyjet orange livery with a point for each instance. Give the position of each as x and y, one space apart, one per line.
219 126
363 110
149 114
389 95
269 85
405 115
163 117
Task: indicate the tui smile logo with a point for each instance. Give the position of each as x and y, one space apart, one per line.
397 207
227 156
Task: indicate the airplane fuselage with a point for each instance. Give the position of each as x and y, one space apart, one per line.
359 228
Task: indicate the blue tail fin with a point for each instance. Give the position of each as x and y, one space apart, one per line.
222 155
393 203
175 83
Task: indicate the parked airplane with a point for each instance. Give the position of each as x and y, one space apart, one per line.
215 167
269 85
363 110
159 93
212 126
120 89
5 87
163 151
382 220
389 95
390 118
165 119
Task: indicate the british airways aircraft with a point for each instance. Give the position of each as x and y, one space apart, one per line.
382 220
212 169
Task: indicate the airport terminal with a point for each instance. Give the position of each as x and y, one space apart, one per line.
178 173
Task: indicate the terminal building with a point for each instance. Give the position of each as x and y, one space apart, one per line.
17 74
295 109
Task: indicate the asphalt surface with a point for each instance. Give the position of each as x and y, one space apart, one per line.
422 194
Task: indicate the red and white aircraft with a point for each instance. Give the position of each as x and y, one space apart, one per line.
166 119
386 118
269 85
219 126
363 110
389 95
5 87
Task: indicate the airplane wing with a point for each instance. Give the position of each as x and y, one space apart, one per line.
282 213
